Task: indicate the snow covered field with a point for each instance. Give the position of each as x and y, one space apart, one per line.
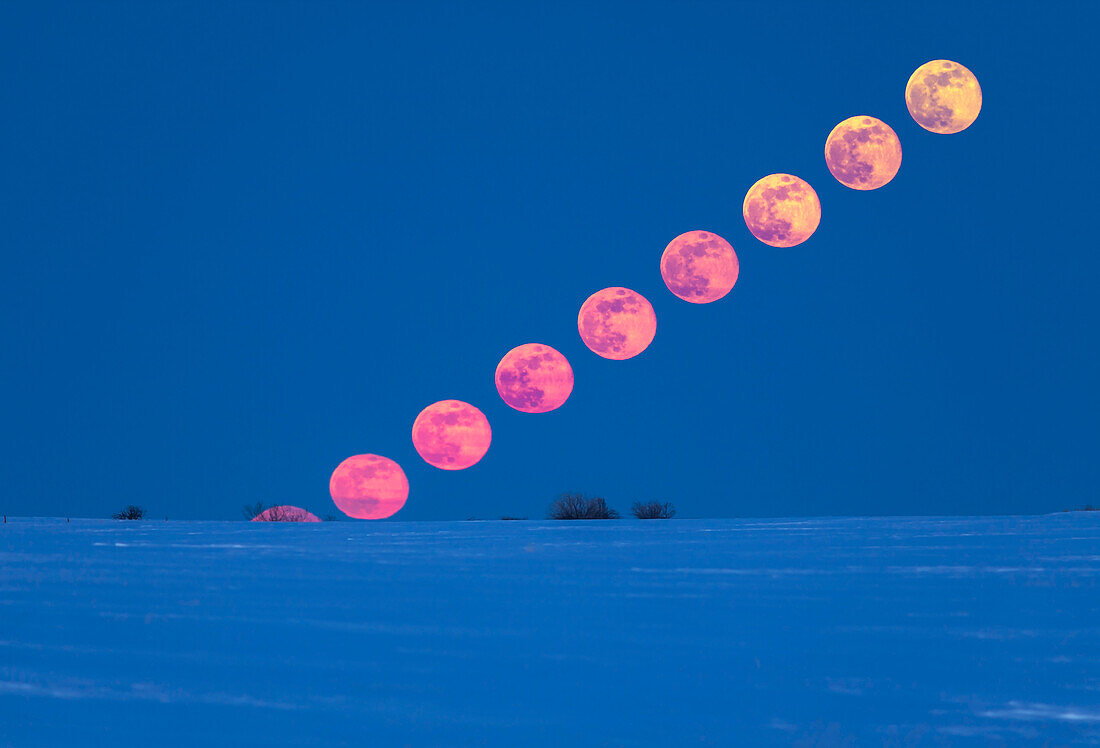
958 631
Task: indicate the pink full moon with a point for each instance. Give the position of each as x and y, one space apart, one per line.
285 513
863 153
617 323
534 378
943 96
369 487
451 434
699 266
782 210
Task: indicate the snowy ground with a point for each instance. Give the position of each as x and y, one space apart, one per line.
957 631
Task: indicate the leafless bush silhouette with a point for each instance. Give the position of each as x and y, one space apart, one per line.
277 514
250 511
653 510
578 506
130 512
273 514
285 513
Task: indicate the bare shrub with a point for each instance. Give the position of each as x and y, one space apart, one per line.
285 513
578 506
653 510
251 511
130 512
272 514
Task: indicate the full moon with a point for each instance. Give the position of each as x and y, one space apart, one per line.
782 210
943 97
451 434
699 266
863 153
617 323
285 513
369 487
534 378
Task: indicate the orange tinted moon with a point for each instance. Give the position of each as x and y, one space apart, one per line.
285 513
699 266
863 153
451 434
369 487
782 210
534 378
943 97
617 323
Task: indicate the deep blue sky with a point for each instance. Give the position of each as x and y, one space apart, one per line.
244 241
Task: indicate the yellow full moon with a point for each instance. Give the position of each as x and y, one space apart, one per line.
943 97
863 153
782 210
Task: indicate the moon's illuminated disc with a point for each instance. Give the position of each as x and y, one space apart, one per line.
451 434
943 97
534 378
863 153
699 266
782 210
369 487
617 323
285 513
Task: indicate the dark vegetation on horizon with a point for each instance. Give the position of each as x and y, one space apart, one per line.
130 512
569 505
275 514
578 506
653 510
251 511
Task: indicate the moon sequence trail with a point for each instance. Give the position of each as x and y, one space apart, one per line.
700 267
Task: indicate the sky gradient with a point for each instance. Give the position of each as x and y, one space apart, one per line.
243 243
